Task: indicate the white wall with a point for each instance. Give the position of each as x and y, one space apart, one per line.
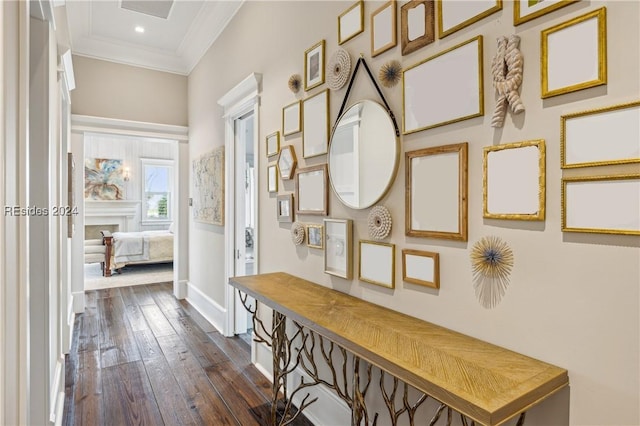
573 299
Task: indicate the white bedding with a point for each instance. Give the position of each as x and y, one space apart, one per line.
142 247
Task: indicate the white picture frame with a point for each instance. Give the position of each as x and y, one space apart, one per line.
315 122
377 263
291 118
312 193
351 22
421 268
455 75
574 54
284 208
338 252
314 66
456 15
384 32
602 136
272 143
526 10
513 182
601 204
436 195
272 178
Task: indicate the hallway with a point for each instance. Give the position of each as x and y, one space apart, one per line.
139 356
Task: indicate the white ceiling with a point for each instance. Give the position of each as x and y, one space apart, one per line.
104 30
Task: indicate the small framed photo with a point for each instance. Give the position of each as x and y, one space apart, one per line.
284 205
417 25
273 144
383 28
526 10
272 178
315 236
338 252
315 121
351 22
291 115
377 263
421 267
574 54
314 66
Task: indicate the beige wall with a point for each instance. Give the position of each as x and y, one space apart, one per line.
112 90
573 299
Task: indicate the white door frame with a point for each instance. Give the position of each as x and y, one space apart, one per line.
237 102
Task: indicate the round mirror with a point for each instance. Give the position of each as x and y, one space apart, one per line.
363 155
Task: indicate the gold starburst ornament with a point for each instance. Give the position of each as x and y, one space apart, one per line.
491 261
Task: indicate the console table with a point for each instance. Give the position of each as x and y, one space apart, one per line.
479 381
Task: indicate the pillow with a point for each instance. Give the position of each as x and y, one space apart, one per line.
171 228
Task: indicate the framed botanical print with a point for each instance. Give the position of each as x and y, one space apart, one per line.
314 66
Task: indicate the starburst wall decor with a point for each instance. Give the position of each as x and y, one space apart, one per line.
491 260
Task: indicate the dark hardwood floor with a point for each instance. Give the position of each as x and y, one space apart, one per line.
141 357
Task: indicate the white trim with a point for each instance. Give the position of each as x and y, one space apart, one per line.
180 291
56 390
88 123
77 302
206 306
240 94
67 70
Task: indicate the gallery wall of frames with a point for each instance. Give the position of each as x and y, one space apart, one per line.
507 207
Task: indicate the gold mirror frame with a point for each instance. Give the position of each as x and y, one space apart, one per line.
292 168
325 190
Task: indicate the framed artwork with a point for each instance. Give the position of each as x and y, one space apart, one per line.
312 192
284 208
421 267
574 54
208 187
315 121
383 28
454 75
436 195
513 181
103 179
417 25
455 15
351 22
377 263
526 10
601 136
314 66
291 119
315 236
71 196
287 162
338 252
601 204
272 178
273 144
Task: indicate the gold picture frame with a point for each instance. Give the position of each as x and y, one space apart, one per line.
315 236
272 144
338 252
417 36
426 83
560 56
315 122
421 268
582 136
312 190
384 28
287 162
314 66
377 263
272 178
513 181
284 208
524 11
439 179
351 22
461 15
601 204
292 118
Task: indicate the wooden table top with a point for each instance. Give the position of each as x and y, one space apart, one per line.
483 381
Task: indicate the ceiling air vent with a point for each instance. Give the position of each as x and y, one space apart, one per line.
157 8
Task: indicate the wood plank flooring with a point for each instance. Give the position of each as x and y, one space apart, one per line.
141 357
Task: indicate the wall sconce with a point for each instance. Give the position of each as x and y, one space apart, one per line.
126 174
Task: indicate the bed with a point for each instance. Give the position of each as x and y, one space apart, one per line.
127 248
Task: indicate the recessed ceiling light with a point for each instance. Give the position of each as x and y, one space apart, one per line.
139 29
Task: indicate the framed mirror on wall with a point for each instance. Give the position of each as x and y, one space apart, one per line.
436 195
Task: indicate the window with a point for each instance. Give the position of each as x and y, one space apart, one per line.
157 190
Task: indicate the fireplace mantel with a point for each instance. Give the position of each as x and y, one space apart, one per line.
111 212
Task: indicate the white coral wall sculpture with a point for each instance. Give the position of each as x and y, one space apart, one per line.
506 68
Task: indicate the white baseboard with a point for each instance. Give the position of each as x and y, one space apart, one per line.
57 406
207 307
78 301
181 290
